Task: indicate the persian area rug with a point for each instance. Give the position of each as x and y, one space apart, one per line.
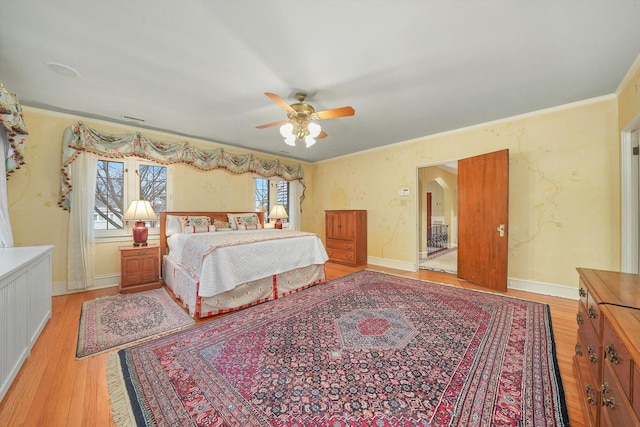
110 322
369 349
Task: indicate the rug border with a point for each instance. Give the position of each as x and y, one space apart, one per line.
483 291
128 343
562 399
121 404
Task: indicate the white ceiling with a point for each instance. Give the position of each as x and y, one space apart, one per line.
200 68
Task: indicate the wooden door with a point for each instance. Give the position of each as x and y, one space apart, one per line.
483 210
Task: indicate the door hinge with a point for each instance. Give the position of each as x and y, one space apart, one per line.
636 151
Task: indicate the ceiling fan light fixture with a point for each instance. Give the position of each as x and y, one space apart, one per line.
314 129
290 140
299 125
286 130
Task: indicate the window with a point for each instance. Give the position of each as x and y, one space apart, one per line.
270 193
118 183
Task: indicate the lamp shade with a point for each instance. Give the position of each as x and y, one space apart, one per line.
278 212
140 210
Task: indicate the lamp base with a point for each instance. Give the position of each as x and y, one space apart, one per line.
140 234
278 224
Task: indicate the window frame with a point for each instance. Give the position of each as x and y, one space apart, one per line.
272 197
131 183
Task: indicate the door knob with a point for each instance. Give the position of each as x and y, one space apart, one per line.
500 229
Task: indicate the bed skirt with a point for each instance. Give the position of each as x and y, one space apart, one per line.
185 287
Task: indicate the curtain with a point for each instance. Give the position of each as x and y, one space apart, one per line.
80 253
6 237
295 197
12 131
80 138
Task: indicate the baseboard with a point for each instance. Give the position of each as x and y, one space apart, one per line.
99 282
543 288
392 263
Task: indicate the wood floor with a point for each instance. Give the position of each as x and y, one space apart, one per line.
54 389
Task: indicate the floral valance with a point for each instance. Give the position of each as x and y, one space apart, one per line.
79 138
13 127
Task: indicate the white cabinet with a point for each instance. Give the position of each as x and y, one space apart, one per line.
25 305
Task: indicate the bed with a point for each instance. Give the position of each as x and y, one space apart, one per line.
214 267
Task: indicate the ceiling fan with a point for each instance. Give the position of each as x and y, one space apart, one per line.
300 115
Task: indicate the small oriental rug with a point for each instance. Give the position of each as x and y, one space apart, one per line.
110 322
369 349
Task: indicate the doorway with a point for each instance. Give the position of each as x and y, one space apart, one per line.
438 212
480 216
630 141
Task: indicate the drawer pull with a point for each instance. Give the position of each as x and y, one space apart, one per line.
578 349
612 354
609 402
579 318
582 292
593 357
590 399
592 313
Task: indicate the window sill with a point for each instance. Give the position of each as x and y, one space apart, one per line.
117 238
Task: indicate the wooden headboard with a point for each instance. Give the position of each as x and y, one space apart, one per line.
220 216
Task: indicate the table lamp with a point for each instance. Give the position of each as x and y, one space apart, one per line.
140 211
278 213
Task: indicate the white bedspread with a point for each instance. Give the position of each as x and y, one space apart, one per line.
228 259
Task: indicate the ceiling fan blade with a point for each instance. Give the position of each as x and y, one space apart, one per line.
322 134
336 112
275 98
268 125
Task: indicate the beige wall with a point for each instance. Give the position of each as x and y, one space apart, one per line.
563 198
629 96
36 218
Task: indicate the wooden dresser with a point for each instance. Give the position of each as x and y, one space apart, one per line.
607 353
346 235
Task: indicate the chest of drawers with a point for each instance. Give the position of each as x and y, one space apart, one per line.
607 352
346 236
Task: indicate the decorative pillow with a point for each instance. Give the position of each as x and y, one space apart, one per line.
244 219
198 228
220 225
248 226
173 225
194 221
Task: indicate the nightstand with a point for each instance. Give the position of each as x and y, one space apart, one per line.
139 268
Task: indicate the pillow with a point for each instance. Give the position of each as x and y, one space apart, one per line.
244 219
198 228
172 225
248 226
194 221
221 225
